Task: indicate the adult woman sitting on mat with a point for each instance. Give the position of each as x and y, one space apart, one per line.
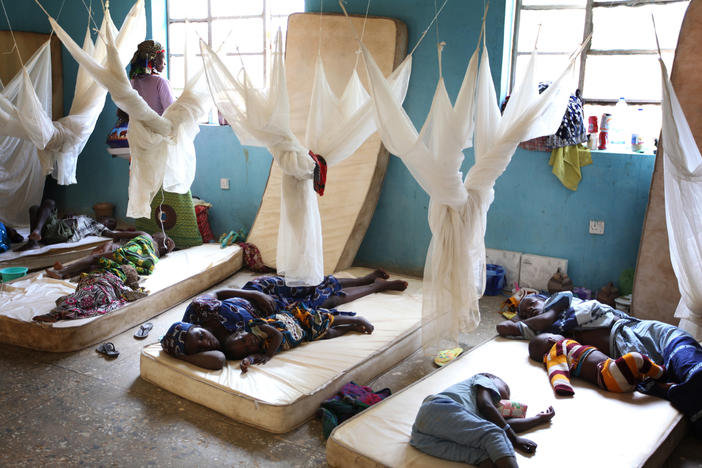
211 322
142 252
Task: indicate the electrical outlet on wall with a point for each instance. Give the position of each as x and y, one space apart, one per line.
224 183
597 226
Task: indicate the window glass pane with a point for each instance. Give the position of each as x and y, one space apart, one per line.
629 76
176 72
548 67
247 34
646 122
561 30
580 3
237 7
631 27
176 37
285 7
179 9
252 63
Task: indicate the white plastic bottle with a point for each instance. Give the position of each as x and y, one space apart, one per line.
620 132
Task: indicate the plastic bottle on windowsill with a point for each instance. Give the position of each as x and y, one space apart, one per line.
620 134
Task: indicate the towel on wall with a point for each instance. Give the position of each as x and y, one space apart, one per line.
567 161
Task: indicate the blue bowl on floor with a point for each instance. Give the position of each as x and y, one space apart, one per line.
11 273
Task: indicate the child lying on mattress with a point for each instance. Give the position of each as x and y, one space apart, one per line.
142 252
211 322
463 424
564 358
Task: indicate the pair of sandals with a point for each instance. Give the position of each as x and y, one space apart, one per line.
108 349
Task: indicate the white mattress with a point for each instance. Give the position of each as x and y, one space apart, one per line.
288 390
592 429
176 277
47 255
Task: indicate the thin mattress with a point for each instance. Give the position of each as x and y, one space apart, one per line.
47 255
288 390
176 277
593 428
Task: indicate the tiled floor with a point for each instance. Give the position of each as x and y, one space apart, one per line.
77 408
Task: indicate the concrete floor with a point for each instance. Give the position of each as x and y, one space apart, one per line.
69 409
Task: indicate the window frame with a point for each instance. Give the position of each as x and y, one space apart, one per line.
266 17
588 50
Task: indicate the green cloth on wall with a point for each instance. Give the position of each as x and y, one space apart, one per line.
567 161
178 215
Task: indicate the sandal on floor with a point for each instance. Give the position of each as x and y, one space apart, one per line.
446 356
108 349
143 330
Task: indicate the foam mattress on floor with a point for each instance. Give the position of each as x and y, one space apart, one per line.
593 428
287 391
47 255
176 277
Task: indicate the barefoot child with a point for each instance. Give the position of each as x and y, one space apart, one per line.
564 358
463 424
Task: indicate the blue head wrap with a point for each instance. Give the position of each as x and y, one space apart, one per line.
173 342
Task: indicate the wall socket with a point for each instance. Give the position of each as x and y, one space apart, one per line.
224 183
597 226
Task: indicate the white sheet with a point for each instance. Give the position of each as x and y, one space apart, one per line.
592 429
13 254
36 295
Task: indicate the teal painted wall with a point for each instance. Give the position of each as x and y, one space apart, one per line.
532 212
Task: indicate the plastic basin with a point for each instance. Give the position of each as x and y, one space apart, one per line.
11 273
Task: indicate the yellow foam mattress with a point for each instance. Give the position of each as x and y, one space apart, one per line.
287 391
594 428
176 277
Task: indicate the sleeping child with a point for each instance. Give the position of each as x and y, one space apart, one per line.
463 424
564 358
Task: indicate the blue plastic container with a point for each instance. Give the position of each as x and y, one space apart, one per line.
11 273
494 280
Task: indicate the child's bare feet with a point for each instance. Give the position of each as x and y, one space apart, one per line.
393 285
31 244
378 273
362 325
51 273
35 236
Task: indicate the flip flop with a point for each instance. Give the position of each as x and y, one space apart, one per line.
447 355
143 330
108 349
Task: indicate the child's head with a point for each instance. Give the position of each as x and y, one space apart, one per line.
164 244
185 338
242 344
500 384
541 344
531 305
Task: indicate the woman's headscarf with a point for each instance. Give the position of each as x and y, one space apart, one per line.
173 342
143 59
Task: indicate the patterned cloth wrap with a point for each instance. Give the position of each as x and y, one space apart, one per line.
139 252
4 238
347 402
173 342
287 297
234 313
297 325
97 293
143 59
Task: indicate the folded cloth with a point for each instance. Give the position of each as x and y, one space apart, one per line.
567 161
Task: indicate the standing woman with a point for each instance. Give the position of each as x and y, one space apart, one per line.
145 70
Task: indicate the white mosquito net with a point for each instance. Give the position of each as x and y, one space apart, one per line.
161 147
71 133
336 127
21 178
31 145
454 271
682 169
